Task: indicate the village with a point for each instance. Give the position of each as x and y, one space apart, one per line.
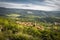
30 24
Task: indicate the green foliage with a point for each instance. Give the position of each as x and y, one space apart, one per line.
9 30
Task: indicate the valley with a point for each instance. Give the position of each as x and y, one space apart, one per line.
21 24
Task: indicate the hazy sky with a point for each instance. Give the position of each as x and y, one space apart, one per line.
47 5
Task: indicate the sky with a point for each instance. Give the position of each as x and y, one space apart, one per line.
46 5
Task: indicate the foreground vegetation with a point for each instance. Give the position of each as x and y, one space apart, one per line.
10 30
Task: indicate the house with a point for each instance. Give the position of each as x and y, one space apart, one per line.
56 23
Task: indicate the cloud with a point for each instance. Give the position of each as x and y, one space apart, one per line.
47 5
53 3
20 0
25 6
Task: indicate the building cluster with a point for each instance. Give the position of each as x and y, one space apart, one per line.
30 24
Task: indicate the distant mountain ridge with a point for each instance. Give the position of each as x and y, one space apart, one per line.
4 11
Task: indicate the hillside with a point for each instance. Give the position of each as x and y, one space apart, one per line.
17 30
24 24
